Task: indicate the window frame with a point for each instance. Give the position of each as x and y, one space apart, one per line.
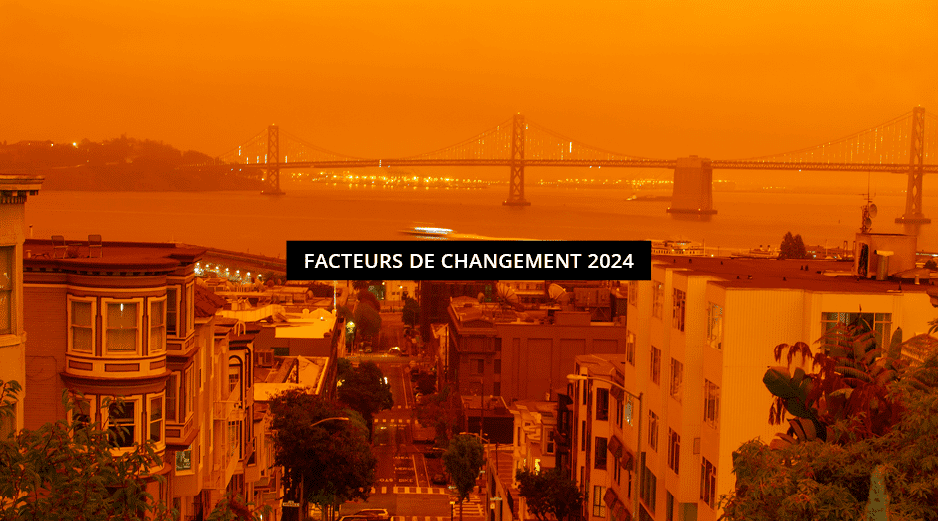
630 347
138 343
653 421
677 379
708 482
159 398
602 404
150 302
674 451
8 254
600 453
599 506
655 365
136 401
657 299
715 326
172 384
678 309
172 327
190 307
94 310
711 403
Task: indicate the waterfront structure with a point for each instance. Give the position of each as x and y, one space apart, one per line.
700 335
14 191
497 350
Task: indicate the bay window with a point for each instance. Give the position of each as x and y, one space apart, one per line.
81 324
121 325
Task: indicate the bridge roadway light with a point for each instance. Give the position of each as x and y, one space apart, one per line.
638 429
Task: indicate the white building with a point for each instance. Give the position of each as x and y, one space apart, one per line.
700 335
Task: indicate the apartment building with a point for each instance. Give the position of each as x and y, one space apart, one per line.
496 350
700 335
123 319
14 191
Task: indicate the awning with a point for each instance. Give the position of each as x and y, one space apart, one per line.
627 461
615 446
620 512
616 392
610 498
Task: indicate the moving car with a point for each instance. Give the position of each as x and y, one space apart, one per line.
439 479
396 351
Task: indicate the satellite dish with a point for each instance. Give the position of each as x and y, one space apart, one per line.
555 291
868 222
873 210
505 293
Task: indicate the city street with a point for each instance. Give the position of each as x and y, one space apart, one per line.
404 472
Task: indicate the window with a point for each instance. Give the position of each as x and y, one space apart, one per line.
121 321
648 486
653 430
880 323
602 404
81 414
172 304
657 299
550 440
184 391
190 388
599 506
157 325
497 368
711 403
633 293
190 307
708 482
172 383
156 419
184 459
668 506
7 278
677 378
619 412
630 347
656 365
617 470
81 325
674 451
715 326
476 366
497 388
601 452
678 307
123 432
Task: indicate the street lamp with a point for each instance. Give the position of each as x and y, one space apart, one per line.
638 429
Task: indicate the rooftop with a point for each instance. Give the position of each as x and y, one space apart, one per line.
802 274
42 254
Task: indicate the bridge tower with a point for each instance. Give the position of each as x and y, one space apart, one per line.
913 197
693 187
516 181
273 162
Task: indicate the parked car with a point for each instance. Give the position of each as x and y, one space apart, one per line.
374 514
435 452
439 479
354 518
395 351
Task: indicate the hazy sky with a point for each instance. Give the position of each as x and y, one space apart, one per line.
656 78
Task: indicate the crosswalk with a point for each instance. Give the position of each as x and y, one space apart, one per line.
472 507
409 490
408 421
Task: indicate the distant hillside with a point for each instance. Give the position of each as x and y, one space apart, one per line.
122 164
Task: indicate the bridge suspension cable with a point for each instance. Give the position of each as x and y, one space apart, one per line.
294 150
546 144
884 144
252 151
492 144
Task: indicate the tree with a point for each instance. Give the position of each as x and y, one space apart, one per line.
439 411
426 382
549 494
463 460
306 449
792 247
878 417
66 470
410 315
364 390
367 321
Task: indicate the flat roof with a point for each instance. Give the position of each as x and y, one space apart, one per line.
807 274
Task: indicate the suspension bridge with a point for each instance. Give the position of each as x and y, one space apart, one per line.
899 145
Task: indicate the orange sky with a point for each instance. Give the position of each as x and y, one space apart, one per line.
656 78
